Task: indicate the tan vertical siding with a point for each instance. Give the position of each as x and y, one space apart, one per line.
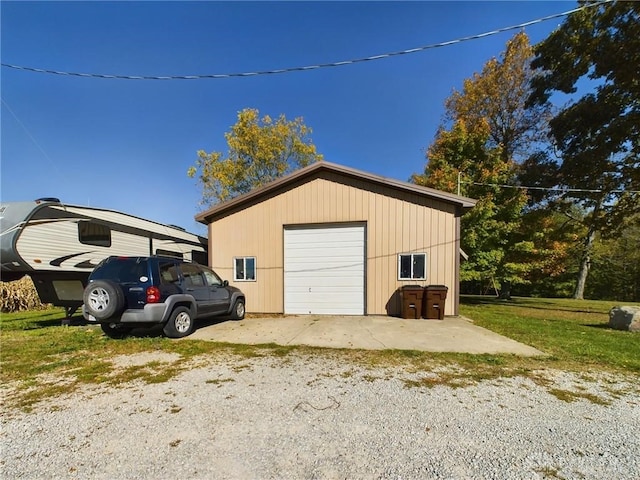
396 222
385 225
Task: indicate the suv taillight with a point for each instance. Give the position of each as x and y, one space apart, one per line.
153 295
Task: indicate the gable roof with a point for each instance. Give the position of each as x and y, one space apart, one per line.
323 166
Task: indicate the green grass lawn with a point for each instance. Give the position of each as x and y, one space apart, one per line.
575 333
40 359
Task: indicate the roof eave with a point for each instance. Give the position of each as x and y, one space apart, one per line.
463 202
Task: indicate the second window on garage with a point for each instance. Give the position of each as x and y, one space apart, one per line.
244 269
412 266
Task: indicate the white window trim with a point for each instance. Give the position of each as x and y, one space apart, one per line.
255 269
403 279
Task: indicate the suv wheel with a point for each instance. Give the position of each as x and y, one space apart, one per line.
103 299
180 323
115 330
237 313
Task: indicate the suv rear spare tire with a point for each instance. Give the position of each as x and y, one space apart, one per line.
103 299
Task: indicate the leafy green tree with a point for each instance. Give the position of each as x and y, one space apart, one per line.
596 50
260 151
553 259
492 132
616 272
488 229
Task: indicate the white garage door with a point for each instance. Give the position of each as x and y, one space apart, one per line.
324 270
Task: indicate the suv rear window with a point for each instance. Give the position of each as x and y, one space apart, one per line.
168 273
122 270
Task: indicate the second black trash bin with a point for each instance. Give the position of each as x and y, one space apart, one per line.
435 297
411 296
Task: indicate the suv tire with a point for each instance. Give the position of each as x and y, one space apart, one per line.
180 323
115 330
103 299
237 312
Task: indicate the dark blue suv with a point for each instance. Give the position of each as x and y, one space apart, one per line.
128 292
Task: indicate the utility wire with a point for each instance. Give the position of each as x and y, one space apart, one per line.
22 125
309 67
550 189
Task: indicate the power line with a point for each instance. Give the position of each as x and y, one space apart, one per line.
550 189
309 67
22 125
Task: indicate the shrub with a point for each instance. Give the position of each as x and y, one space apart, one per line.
20 295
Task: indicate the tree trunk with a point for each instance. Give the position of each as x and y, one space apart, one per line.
585 264
505 293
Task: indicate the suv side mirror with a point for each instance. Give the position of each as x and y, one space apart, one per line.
225 283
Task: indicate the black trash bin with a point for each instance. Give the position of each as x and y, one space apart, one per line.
411 296
435 297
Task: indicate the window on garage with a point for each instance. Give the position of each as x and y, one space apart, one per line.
412 266
244 269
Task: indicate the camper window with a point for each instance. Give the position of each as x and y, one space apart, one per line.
91 233
168 253
200 257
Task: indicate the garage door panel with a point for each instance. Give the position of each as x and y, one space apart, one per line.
327 268
326 290
324 270
328 286
325 242
322 307
326 279
320 248
313 252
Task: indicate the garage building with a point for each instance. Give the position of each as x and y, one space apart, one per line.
328 239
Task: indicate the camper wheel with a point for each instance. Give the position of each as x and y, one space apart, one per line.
115 330
103 299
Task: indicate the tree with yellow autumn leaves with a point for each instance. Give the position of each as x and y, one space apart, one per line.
260 151
489 134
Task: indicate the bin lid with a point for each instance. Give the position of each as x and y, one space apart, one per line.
436 287
411 287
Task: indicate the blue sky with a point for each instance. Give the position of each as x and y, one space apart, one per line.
127 145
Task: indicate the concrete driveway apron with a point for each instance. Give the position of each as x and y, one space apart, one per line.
453 334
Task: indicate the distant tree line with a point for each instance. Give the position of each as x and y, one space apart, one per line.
580 216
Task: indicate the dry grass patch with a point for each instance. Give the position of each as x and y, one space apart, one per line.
41 360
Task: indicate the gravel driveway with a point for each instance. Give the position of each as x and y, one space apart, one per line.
321 417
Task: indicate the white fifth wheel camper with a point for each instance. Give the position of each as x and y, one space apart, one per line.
59 245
